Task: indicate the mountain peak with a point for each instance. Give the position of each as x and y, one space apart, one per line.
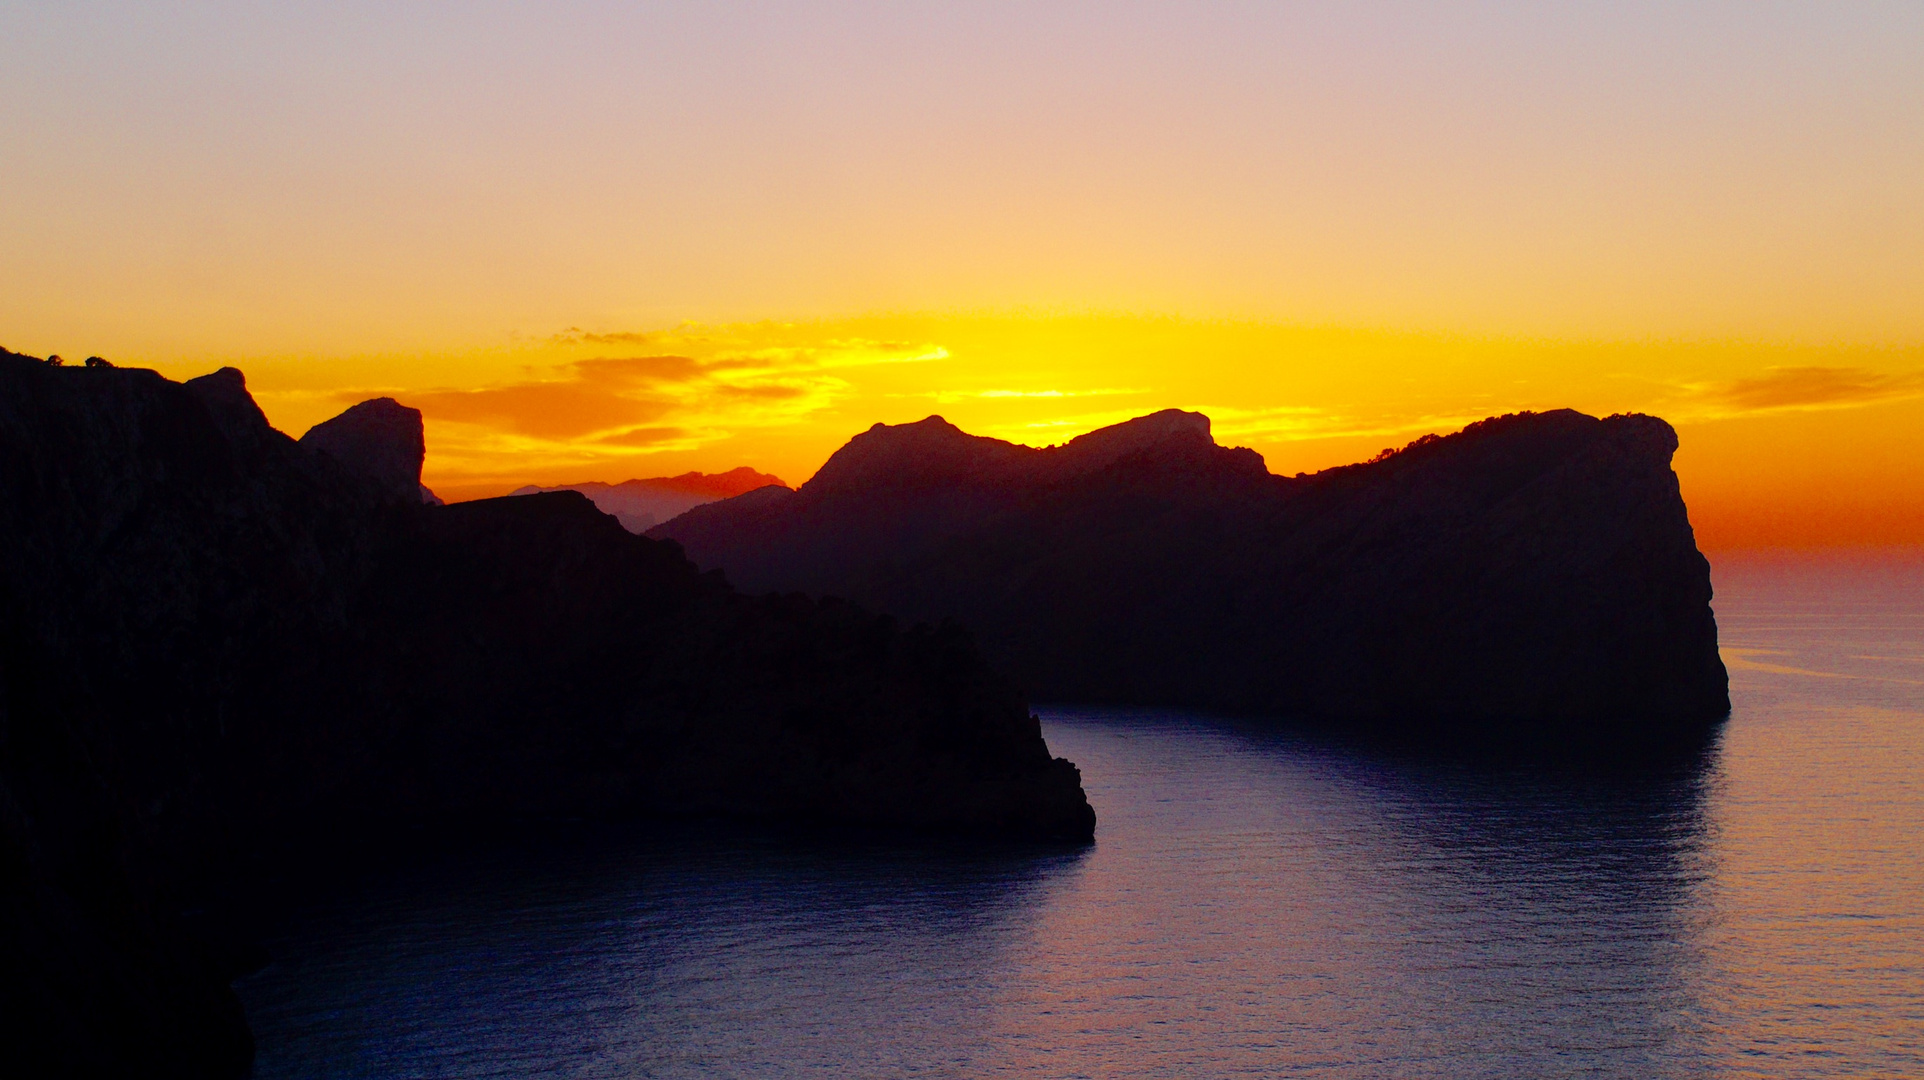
721 485
928 450
642 503
380 439
1155 427
1170 429
224 392
933 451
1532 574
931 422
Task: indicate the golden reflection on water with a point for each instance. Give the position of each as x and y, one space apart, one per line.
1815 952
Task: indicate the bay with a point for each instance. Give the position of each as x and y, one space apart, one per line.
1259 901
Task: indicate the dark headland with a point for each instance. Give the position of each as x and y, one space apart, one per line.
220 647
1531 578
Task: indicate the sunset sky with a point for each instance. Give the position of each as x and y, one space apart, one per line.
603 240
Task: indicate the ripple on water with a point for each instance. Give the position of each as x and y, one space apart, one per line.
1258 903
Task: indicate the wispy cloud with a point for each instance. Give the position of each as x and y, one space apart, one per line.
651 437
549 410
672 390
575 335
622 401
641 370
1809 388
1818 388
1302 423
949 396
769 345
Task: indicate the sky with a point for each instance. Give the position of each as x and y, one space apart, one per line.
603 240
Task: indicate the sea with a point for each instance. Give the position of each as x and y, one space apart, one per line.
1260 901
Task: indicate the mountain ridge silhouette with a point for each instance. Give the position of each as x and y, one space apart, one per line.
222 650
1534 574
641 503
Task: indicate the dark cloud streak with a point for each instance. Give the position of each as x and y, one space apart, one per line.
1818 387
550 410
639 370
644 436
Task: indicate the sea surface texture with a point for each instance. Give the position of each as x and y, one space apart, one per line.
1258 902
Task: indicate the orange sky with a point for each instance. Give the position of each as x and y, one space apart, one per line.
1782 445
1333 227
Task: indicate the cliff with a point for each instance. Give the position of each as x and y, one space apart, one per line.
223 648
1533 576
380 440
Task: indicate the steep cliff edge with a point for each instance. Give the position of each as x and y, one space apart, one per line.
379 439
1532 576
219 646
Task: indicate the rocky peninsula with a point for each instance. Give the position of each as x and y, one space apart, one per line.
221 647
1533 577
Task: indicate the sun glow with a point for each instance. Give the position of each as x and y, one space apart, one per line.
1332 227
1782 444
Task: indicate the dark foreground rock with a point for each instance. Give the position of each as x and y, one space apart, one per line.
220 649
1531 577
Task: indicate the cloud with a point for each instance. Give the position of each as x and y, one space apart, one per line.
575 335
601 394
646 436
1805 388
1302 423
584 404
763 392
551 410
948 396
1816 388
770 345
639 370
701 385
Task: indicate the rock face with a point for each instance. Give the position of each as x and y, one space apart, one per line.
379 440
1533 575
218 647
642 504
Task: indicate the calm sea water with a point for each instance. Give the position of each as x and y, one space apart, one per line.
1257 903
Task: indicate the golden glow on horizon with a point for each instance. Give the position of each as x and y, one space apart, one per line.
1709 212
1782 445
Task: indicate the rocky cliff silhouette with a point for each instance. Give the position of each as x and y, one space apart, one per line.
1532 576
221 648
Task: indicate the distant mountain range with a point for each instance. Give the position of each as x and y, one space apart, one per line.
1534 574
641 504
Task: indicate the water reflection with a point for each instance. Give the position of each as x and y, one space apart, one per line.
1259 902
1349 911
1817 952
674 951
